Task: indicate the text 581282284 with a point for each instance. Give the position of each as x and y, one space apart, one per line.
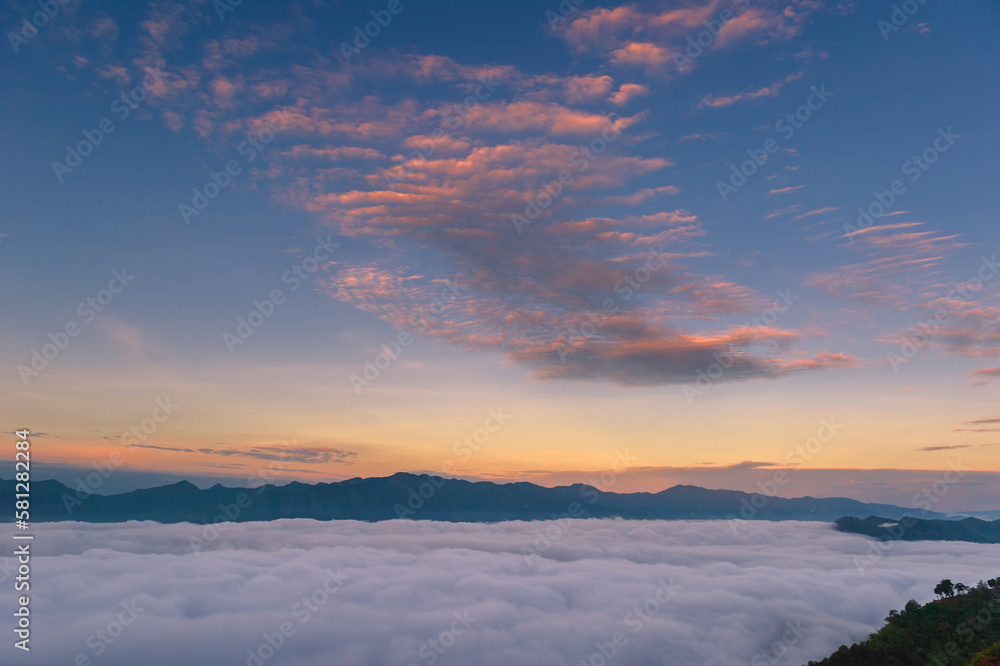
22 545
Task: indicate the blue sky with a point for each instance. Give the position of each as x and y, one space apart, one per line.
512 336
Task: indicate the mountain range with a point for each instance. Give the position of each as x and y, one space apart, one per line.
917 529
426 497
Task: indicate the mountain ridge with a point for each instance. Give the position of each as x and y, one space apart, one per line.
917 529
427 497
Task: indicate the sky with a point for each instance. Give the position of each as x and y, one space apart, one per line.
507 241
419 593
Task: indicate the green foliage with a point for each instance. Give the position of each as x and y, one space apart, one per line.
945 588
947 632
988 657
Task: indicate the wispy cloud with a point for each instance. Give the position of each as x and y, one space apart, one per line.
313 455
773 90
786 190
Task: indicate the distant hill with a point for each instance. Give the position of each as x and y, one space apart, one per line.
426 498
956 630
916 529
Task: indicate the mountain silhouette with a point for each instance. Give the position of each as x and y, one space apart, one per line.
917 529
426 497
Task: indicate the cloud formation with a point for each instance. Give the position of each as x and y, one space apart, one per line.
904 269
433 161
772 90
291 453
638 35
390 589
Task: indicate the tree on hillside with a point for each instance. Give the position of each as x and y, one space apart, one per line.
961 588
945 588
988 657
935 634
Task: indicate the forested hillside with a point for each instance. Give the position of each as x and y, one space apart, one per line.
960 628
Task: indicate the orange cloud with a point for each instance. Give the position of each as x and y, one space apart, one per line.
628 92
642 54
587 88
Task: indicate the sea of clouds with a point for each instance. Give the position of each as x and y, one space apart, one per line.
402 593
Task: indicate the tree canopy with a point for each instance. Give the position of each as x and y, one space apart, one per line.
960 628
